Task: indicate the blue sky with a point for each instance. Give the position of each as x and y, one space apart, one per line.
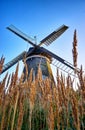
39 18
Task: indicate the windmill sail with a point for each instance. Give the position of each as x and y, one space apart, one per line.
63 67
61 61
54 35
13 62
13 29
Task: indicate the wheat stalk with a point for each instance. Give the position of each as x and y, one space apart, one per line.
74 50
15 108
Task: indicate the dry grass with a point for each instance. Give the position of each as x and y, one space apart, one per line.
60 105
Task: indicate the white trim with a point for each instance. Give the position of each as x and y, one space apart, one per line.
37 56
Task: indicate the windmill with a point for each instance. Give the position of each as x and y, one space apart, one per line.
38 55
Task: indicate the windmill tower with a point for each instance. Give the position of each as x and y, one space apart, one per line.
36 60
39 56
